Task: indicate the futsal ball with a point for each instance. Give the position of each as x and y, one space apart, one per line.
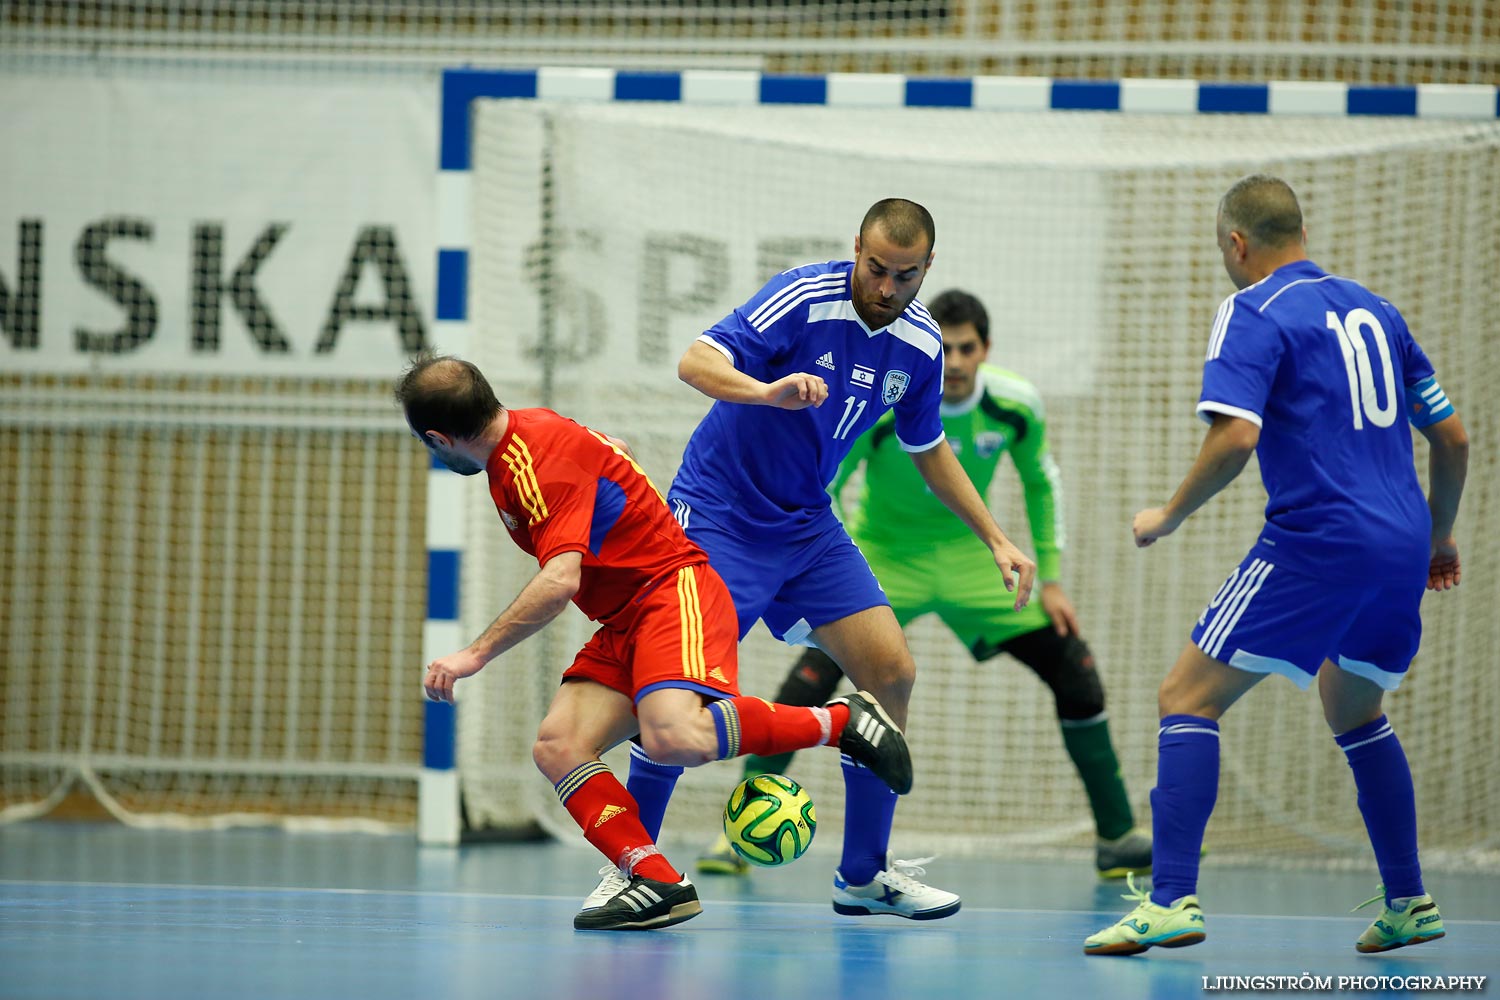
769 820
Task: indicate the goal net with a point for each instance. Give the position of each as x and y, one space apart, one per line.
1350 40
609 235
206 606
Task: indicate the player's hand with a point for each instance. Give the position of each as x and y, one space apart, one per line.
444 671
1151 524
621 444
1012 560
1444 571
797 391
1059 609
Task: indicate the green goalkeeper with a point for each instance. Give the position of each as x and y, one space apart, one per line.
927 561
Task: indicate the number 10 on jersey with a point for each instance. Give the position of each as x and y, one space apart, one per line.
1362 397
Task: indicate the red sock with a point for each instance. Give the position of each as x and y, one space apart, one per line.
609 818
752 725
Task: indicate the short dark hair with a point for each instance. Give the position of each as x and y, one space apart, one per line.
904 222
956 306
1264 210
446 394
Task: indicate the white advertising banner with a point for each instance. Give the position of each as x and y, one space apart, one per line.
234 224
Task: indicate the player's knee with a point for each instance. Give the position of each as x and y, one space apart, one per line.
813 679
1168 699
891 684
1349 701
555 752
682 743
887 674
1344 717
1076 684
1181 694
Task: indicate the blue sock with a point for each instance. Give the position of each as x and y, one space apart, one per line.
651 784
1187 784
1387 802
869 810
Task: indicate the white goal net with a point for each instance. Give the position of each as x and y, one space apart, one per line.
210 601
608 236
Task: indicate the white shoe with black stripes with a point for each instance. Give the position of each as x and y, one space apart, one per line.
611 882
644 904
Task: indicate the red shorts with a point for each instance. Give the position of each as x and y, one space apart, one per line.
684 634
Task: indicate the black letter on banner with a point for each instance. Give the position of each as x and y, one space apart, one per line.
776 255
20 314
375 244
659 300
133 296
572 325
208 289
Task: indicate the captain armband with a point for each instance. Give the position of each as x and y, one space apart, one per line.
1426 403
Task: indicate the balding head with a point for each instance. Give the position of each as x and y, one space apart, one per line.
447 395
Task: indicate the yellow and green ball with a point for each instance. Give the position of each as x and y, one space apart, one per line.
769 820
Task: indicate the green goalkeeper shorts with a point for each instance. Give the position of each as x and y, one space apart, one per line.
959 581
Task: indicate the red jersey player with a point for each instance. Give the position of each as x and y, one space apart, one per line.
663 661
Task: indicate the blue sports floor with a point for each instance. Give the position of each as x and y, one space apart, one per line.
107 913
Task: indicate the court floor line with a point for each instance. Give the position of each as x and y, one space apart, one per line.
796 904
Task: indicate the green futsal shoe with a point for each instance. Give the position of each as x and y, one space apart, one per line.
1129 854
1149 926
1409 920
720 859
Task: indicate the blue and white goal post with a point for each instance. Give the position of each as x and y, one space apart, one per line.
439 809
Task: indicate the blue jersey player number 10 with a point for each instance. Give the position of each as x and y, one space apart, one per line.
1303 369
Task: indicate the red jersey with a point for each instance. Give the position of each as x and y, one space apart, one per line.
561 487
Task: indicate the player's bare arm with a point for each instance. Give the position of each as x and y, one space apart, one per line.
1226 448
542 599
1447 468
950 484
712 374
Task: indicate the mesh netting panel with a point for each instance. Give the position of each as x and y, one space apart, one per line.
608 237
212 600
1351 40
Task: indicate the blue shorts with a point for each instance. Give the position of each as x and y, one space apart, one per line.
796 583
1266 619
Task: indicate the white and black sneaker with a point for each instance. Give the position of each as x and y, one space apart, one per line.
643 904
872 739
612 881
895 891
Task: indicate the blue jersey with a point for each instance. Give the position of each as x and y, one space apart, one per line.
764 469
1325 367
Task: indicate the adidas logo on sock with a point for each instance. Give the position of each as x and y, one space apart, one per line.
609 813
826 361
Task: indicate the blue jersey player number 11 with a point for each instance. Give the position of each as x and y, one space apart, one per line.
798 373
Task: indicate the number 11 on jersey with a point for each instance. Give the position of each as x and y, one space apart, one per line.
850 417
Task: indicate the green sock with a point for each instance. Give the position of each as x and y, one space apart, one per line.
1094 756
756 765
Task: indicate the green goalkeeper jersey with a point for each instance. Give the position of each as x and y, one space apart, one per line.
898 515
